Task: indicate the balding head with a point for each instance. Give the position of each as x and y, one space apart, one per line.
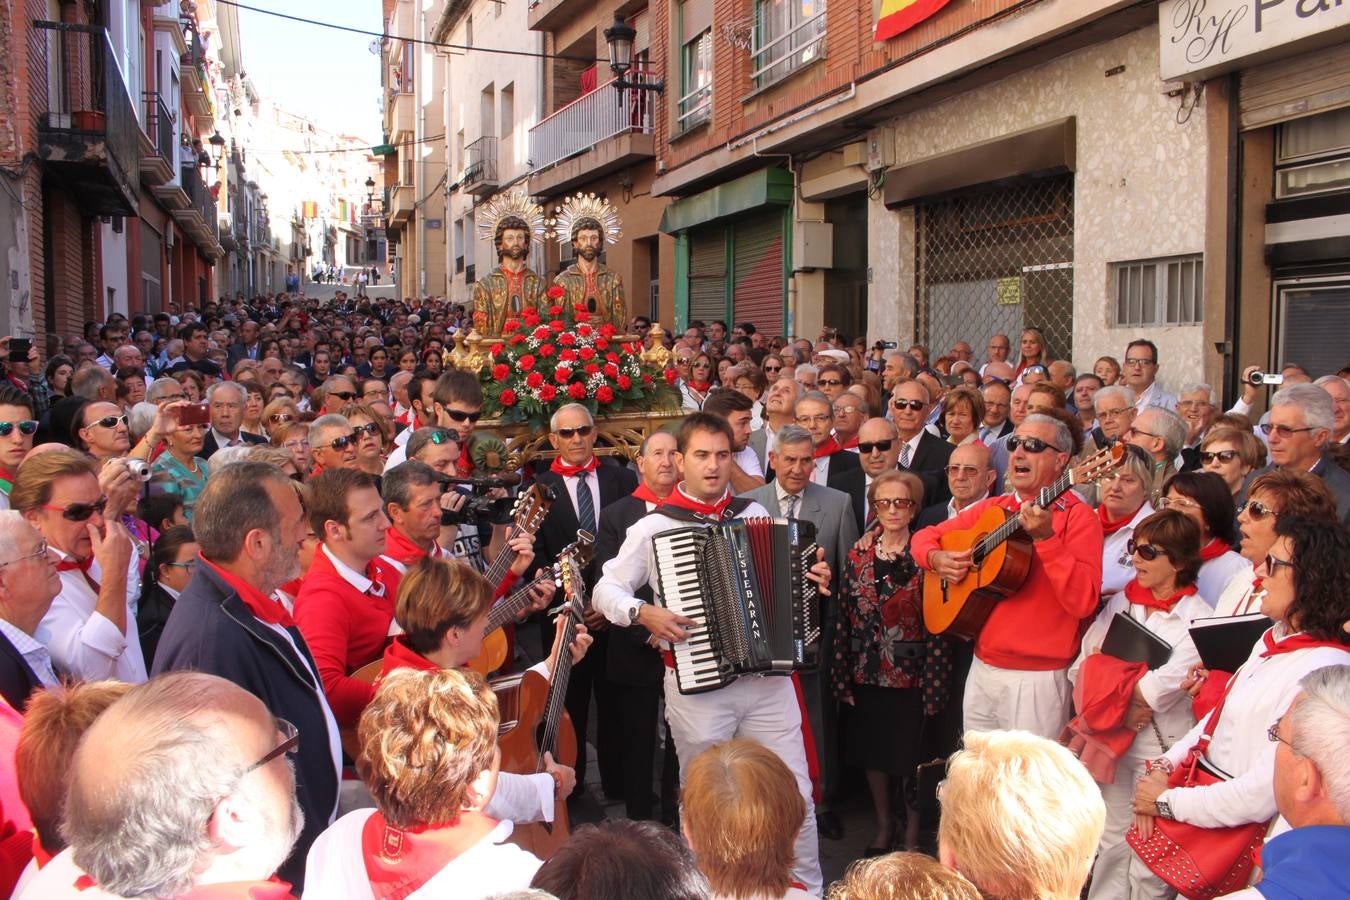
998 371
970 474
872 452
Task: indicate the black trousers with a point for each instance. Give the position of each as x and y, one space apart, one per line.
589 679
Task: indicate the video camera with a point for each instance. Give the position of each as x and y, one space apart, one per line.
477 505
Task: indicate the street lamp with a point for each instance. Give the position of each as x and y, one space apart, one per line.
217 145
619 36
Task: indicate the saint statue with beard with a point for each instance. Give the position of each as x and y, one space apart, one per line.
589 223
512 287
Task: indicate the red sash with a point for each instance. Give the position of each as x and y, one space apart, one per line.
701 386
829 447
398 655
647 495
267 609
399 861
1294 642
1111 526
1138 594
1213 550
568 471
850 444
70 564
712 510
398 547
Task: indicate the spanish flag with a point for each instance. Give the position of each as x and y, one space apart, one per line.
310 209
898 16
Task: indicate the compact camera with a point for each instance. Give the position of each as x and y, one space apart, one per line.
1260 378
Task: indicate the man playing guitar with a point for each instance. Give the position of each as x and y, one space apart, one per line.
763 708
1019 677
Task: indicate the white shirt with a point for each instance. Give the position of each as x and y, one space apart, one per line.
1117 564
1161 687
1215 575
749 462
83 642
34 653
1156 396
399 454
222 441
634 566
336 870
571 482
1259 693
913 444
1237 597
359 581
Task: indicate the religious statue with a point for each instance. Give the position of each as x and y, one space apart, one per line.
513 220
589 223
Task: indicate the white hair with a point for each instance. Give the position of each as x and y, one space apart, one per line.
1321 730
1331 379
1319 410
570 407
226 455
1191 387
807 368
1169 427
141 417
1063 438
1115 390
10 522
239 390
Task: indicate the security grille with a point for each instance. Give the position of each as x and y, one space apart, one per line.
994 262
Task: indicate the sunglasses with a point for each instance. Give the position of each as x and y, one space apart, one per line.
830 382
1146 552
344 395
882 446
1283 431
893 503
108 422
1178 503
1274 564
444 436
40 551
461 416
1257 510
80 512
28 426
278 418
342 443
914 405
369 428
1225 456
682 362
288 746
580 431
769 370
962 471
1032 445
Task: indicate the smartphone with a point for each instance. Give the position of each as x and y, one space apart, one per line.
1259 378
194 414
19 349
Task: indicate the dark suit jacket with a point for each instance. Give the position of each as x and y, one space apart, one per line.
560 525
209 446
241 351
17 679
629 660
852 481
211 630
935 514
1337 481
929 462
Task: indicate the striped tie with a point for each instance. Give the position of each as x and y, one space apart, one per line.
585 504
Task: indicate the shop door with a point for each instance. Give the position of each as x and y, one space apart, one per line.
996 261
707 274
1312 319
757 251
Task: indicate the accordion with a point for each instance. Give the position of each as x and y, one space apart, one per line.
744 584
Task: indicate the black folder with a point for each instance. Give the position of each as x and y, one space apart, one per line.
1130 641
1225 642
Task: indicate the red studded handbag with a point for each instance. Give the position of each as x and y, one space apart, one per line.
1199 863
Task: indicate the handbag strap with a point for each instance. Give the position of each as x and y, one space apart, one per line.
1212 723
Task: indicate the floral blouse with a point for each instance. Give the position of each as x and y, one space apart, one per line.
172 477
881 604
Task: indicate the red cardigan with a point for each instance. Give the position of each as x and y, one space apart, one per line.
1039 627
345 629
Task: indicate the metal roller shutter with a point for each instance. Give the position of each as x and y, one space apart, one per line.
1292 88
707 274
759 282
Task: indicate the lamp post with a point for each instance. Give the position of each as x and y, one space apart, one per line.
619 36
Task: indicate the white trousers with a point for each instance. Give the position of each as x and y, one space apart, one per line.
763 709
1119 873
1003 699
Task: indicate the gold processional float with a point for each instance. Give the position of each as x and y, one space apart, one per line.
537 347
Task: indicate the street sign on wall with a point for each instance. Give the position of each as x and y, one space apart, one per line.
1204 38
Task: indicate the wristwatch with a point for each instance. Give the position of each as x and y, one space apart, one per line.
1164 809
634 610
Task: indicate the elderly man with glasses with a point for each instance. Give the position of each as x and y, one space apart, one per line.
333 442
1302 417
28 585
226 403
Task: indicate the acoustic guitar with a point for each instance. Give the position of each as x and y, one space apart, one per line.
1001 557
534 718
509 608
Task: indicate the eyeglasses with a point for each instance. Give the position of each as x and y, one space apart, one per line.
1139 361
279 418
1257 510
1193 404
460 415
1112 413
1031 444
108 422
1225 456
80 512
343 442
344 395
369 428
1273 735
962 471
807 420
1178 503
893 503
769 370
296 445
829 382
845 410
1147 552
40 551
28 426
879 446
286 747
1133 430
914 405
1283 431
188 566
580 431
683 361
1274 563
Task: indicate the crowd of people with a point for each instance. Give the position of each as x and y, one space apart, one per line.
265 629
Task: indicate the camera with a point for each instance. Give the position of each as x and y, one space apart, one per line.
477 505
884 345
139 469
1260 378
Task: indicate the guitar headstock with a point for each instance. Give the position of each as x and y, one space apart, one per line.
573 583
531 507
1096 466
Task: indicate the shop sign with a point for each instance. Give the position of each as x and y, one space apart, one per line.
1204 38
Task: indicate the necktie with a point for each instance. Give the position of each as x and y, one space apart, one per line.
792 506
585 504
904 456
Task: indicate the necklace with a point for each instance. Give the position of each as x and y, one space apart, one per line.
891 554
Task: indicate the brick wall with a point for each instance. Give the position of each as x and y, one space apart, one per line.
850 55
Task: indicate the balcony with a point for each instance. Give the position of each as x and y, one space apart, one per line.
87 136
480 167
401 124
400 205
550 15
198 218
596 134
196 84
157 141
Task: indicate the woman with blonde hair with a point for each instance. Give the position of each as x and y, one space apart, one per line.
280 411
902 876
374 433
741 815
293 437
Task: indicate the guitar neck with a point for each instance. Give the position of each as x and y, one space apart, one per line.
557 691
1044 497
514 603
504 560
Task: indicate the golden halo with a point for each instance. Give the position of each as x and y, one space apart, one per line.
585 206
515 202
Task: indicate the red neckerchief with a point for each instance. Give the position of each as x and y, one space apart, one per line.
249 890
830 446
713 510
292 588
1214 549
1111 526
398 655
398 547
6 480
701 386
850 444
647 495
268 609
567 471
70 564
398 861
1138 594
1292 643
464 467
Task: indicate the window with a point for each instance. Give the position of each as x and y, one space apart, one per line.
1159 291
696 83
1313 155
789 34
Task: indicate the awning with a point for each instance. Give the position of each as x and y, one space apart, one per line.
767 187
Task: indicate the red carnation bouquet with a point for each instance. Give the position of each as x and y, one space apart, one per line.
551 356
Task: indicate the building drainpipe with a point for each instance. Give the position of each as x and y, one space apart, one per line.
1233 238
